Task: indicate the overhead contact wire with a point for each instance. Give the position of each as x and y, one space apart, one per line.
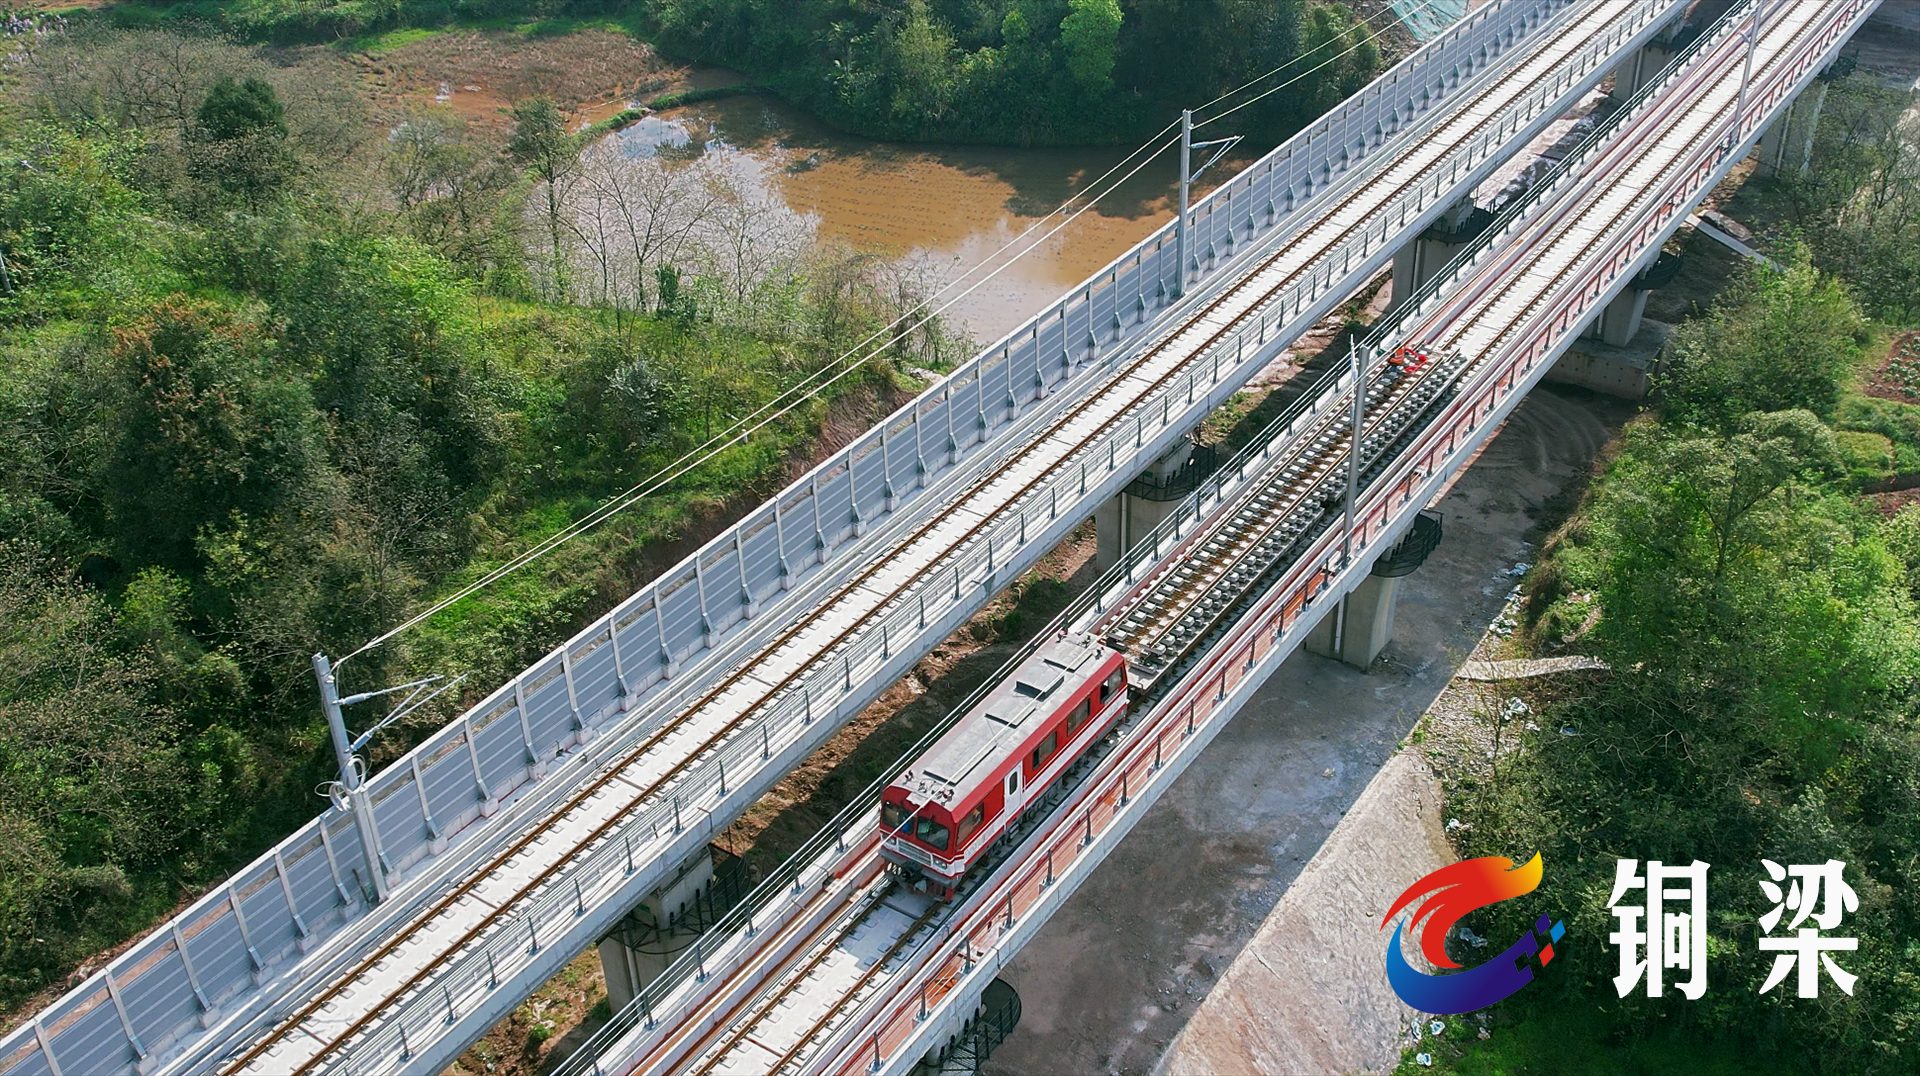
726 439
735 434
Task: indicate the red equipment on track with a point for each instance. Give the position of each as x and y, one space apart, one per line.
940 816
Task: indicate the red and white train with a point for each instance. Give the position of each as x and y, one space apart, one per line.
938 818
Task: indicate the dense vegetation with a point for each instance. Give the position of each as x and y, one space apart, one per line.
1032 71
999 71
268 381
1761 616
1859 205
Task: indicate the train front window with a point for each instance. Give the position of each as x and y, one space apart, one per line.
1113 685
970 822
930 833
891 816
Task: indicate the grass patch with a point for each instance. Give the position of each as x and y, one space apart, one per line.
1868 456
1883 404
1547 1039
386 41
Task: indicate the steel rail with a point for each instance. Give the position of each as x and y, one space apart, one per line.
610 772
906 938
1598 241
1379 413
677 1043
1186 594
869 899
1605 236
1222 553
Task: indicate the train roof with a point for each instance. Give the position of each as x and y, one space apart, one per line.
962 760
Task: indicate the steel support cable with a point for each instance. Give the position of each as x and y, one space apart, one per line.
1008 665
1197 317
761 418
1089 600
532 884
578 797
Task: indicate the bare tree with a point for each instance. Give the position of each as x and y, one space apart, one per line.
751 235
632 214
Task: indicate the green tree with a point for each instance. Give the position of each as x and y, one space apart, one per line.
1351 54
1026 71
540 142
65 210
924 73
1725 566
1764 647
1091 34
383 324
241 139
240 109
98 786
210 429
1774 341
1859 203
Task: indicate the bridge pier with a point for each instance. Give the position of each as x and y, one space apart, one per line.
654 934
973 1033
1647 61
1131 514
1616 353
1360 625
1422 258
1786 149
1620 319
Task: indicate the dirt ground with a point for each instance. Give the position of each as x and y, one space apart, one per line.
1898 377
1309 993
590 74
1117 973
1889 44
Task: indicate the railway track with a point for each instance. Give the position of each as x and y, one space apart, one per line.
1213 577
1475 333
484 902
1210 582
1509 306
779 1026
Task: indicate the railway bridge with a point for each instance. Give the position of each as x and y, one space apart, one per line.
392 931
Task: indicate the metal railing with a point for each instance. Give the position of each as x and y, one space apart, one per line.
960 581
875 1032
305 889
855 815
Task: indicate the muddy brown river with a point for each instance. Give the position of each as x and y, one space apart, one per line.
949 208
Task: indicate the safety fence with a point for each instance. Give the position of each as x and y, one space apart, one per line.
831 687
249 931
885 1032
